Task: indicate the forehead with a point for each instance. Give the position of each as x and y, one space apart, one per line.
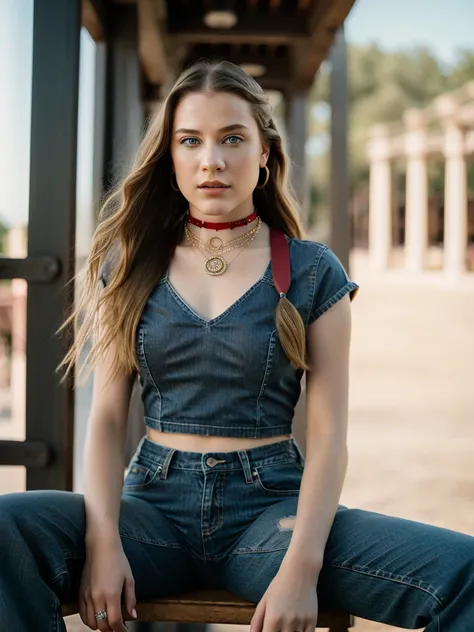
212 111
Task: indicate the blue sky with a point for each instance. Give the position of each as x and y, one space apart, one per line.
444 27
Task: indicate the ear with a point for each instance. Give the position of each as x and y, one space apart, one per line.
264 156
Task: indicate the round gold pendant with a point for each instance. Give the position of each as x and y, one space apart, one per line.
216 266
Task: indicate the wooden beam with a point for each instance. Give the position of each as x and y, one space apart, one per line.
323 21
93 17
277 69
274 4
151 41
269 29
241 37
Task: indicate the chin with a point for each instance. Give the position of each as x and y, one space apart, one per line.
214 208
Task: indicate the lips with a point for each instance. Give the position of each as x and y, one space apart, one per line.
214 185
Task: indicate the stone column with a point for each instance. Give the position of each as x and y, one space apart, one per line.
380 200
296 131
416 213
455 188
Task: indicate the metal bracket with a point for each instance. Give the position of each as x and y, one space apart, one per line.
27 453
42 269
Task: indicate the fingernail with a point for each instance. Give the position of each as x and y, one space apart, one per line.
134 613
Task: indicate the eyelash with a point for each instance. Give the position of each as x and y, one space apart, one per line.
183 140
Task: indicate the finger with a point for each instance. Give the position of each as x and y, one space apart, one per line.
256 624
98 606
114 615
129 597
89 613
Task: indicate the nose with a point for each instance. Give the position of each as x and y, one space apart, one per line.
212 159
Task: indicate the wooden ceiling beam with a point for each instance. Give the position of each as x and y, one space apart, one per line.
153 54
275 67
94 18
237 37
274 4
269 29
324 20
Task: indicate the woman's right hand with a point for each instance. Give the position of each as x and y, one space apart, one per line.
106 575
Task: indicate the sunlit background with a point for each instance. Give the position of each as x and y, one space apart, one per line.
411 66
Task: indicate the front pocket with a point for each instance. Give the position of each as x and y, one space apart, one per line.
279 478
140 476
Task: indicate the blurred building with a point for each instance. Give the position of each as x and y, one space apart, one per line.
443 131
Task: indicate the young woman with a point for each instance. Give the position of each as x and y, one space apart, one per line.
218 492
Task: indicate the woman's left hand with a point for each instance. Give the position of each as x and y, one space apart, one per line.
290 604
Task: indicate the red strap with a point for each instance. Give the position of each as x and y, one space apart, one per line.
280 254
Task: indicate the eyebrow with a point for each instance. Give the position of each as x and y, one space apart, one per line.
228 128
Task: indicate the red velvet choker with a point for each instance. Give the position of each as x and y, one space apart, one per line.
222 225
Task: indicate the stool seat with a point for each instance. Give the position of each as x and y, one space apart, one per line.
213 606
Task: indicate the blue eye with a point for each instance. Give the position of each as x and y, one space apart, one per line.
237 138
184 141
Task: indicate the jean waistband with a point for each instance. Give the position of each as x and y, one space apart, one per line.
156 454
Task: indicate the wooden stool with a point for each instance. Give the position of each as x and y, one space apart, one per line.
213 606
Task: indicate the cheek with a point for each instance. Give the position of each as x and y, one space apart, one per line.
184 166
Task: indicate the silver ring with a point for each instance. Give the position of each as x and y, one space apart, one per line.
100 616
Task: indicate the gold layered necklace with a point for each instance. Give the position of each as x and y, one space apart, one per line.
216 264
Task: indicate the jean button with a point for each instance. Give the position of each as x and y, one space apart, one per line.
211 461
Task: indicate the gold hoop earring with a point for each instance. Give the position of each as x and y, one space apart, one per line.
262 186
175 188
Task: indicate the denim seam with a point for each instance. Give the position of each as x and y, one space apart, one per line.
61 570
268 365
313 278
268 461
153 472
256 550
166 545
276 492
141 348
58 574
348 287
399 579
201 530
57 619
229 310
219 495
206 426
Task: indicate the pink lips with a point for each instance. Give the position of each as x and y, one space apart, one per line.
213 187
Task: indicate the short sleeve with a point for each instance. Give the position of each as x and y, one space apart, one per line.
332 284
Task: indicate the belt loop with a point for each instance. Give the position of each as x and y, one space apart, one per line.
298 450
244 459
139 447
166 463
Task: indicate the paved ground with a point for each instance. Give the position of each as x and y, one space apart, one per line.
411 436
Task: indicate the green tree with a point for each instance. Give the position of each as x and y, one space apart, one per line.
381 86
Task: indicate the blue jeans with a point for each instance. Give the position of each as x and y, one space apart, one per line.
192 520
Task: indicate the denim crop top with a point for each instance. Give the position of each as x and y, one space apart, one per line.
229 376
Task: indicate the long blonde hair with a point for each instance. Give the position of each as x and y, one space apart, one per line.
142 221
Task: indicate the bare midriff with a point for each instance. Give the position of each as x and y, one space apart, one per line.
198 443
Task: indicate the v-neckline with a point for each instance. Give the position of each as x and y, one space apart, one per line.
180 300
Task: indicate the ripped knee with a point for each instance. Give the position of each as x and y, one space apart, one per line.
288 522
